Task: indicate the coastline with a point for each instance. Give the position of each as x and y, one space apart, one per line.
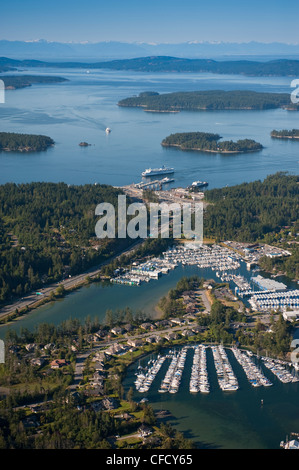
13 313
212 151
26 149
290 137
203 108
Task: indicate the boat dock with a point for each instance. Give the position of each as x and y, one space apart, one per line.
199 381
265 301
254 375
279 370
215 257
226 377
153 184
199 375
145 380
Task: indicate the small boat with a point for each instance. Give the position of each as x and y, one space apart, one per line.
199 184
107 130
167 180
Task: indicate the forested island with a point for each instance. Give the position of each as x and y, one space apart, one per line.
285 134
14 142
13 82
209 100
280 67
207 142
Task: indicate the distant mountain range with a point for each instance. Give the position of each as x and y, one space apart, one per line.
281 67
45 50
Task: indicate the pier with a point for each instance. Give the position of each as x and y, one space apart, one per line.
255 377
202 256
199 376
156 184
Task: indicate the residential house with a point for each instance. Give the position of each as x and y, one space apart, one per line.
170 336
117 330
110 403
152 339
135 342
114 349
187 333
30 347
147 326
162 323
38 361
57 363
144 431
177 321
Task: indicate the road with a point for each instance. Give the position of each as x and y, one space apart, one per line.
81 358
33 298
79 367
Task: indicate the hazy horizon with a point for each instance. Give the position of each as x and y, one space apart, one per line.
163 21
150 43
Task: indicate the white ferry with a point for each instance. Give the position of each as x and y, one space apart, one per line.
157 171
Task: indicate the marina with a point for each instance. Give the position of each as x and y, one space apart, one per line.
275 300
144 379
199 374
199 381
226 377
216 415
215 257
202 256
172 379
278 369
273 296
242 285
254 375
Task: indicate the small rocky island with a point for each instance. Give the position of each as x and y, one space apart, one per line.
285 134
13 142
84 144
208 142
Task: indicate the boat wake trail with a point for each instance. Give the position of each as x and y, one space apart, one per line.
89 120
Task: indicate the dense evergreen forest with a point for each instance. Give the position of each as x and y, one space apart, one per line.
13 82
280 67
251 211
209 100
285 134
11 141
208 142
47 231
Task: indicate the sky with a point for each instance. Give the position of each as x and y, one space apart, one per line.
152 21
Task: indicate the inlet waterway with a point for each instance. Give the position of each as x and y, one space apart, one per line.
95 299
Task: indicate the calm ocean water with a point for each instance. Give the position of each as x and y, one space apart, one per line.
80 110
